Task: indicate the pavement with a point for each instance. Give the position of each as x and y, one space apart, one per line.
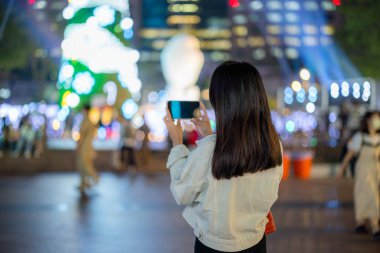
135 212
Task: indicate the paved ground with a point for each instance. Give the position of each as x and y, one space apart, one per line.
44 213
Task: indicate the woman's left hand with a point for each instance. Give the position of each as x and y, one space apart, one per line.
174 130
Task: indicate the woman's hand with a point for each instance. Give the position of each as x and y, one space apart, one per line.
340 173
203 122
175 131
347 158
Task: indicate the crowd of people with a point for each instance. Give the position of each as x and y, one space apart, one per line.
25 140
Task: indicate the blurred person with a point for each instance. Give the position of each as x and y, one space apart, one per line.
229 182
40 140
344 116
4 137
85 153
127 145
14 136
146 154
366 144
345 149
26 140
357 112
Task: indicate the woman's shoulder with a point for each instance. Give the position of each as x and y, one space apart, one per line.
204 148
211 139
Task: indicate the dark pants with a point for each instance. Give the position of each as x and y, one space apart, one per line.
261 247
130 155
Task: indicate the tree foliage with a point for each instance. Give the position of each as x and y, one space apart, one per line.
359 34
15 45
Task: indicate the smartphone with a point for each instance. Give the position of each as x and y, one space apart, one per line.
184 109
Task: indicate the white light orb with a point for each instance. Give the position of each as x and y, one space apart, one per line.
334 93
126 23
300 97
288 100
345 86
257 5
313 98
332 117
290 126
153 97
367 93
288 92
367 85
137 121
56 124
105 15
345 92
68 12
334 86
302 91
356 86
5 93
305 74
67 71
313 91
129 108
296 86
310 107
73 100
83 83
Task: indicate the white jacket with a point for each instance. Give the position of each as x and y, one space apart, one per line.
226 215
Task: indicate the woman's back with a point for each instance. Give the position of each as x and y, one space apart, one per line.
230 181
226 214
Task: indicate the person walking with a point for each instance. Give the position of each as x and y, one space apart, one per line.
127 145
146 154
85 153
229 182
366 145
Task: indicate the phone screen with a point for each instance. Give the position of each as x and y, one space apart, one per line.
184 109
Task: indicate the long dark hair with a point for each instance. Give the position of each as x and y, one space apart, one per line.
246 140
364 128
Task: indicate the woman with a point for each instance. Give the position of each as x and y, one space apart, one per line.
366 145
229 182
85 153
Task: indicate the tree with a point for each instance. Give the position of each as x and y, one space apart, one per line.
96 57
359 34
15 45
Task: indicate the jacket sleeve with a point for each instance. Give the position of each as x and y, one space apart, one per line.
188 173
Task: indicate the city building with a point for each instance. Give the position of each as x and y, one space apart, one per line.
263 31
205 19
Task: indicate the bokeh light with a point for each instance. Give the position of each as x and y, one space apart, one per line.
305 74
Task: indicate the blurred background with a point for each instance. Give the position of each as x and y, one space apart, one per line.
319 60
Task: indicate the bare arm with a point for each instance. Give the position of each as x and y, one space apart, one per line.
347 158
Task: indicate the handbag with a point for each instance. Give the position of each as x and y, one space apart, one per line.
271 226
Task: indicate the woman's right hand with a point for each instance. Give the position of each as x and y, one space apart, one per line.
340 173
202 123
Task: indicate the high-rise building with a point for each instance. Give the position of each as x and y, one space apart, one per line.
205 19
268 30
